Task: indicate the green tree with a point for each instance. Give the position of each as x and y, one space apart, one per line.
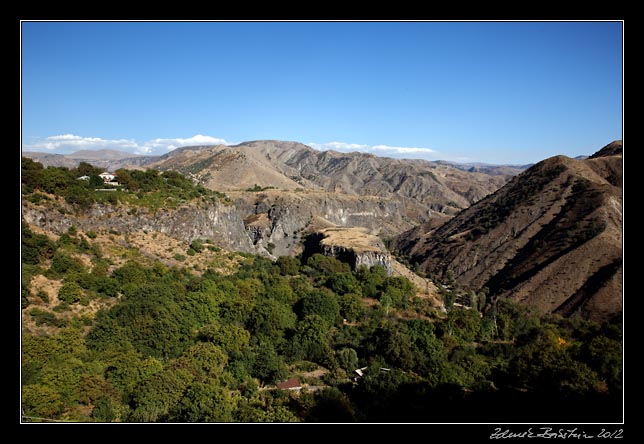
41 401
323 303
327 265
464 324
473 300
604 355
105 410
371 279
131 272
95 181
31 174
240 299
56 180
347 359
203 402
279 289
204 360
229 337
153 320
35 248
351 307
154 398
62 263
482 298
471 370
70 292
543 362
268 365
197 245
301 286
331 406
342 283
289 266
86 169
311 341
449 275
399 289
392 342
386 303
271 318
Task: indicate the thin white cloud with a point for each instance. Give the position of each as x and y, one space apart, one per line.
395 151
170 144
69 143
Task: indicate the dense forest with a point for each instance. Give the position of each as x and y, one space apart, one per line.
169 344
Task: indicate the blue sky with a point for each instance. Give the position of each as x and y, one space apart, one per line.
496 92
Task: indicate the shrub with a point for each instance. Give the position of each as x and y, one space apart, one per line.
70 293
46 317
197 246
62 264
43 296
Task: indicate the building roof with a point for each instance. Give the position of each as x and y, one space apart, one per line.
289 384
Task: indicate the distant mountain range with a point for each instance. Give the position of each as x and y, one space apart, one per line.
107 159
441 187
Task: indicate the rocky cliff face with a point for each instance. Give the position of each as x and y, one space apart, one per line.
358 258
272 223
282 218
223 224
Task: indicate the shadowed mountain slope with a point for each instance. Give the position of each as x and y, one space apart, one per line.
551 238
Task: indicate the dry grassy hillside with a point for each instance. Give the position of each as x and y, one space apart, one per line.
552 238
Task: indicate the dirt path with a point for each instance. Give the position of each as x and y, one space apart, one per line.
315 373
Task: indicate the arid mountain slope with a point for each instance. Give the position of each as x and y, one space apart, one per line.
551 237
107 159
440 187
94 155
54 160
225 168
436 187
304 189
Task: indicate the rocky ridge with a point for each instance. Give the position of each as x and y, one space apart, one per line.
551 238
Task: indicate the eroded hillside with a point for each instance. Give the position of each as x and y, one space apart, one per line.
551 238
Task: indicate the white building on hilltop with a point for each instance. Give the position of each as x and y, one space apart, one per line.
107 177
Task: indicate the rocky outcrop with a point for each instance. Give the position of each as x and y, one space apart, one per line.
371 258
356 259
354 246
274 221
221 223
283 218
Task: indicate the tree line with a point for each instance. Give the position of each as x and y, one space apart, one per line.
182 347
